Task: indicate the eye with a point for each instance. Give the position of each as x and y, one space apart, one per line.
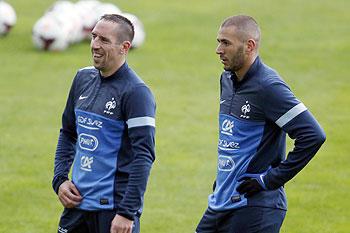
225 42
105 40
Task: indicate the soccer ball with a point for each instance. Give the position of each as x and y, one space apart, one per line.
7 17
71 23
140 33
50 33
62 6
66 13
88 15
107 8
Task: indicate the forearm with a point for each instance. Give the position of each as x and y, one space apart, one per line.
133 197
64 157
309 137
143 147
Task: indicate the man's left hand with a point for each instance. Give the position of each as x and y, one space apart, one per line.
121 225
251 185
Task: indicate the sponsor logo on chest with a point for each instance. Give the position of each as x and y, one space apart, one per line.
87 142
227 127
228 145
86 163
225 163
89 123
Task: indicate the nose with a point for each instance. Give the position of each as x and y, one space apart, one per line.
94 43
219 50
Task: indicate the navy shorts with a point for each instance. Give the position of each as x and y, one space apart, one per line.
79 221
243 220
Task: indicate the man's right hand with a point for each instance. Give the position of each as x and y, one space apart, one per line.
69 195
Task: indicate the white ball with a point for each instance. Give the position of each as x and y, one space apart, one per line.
88 15
7 17
71 23
68 13
140 34
107 8
49 33
75 27
62 6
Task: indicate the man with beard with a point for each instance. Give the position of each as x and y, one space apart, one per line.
257 109
108 129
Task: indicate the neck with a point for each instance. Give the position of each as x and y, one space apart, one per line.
241 72
107 73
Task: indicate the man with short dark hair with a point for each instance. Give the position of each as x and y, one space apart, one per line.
257 109
108 130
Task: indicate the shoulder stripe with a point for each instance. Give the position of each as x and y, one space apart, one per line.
291 114
141 121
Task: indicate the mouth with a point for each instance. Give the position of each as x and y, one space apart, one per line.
97 55
223 60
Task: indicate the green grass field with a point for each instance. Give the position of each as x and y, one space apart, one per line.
306 41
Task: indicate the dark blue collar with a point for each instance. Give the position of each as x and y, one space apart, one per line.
251 71
253 68
118 73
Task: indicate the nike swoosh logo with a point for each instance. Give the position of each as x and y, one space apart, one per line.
222 101
82 97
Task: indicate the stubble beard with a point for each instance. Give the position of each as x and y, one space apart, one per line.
237 60
98 64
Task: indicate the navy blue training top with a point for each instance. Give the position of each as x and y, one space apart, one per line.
255 115
108 131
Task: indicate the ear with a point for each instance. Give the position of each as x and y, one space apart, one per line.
125 46
251 45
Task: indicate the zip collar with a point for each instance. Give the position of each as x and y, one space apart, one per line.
250 73
117 74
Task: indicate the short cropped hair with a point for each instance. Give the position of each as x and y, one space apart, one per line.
246 27
125 29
